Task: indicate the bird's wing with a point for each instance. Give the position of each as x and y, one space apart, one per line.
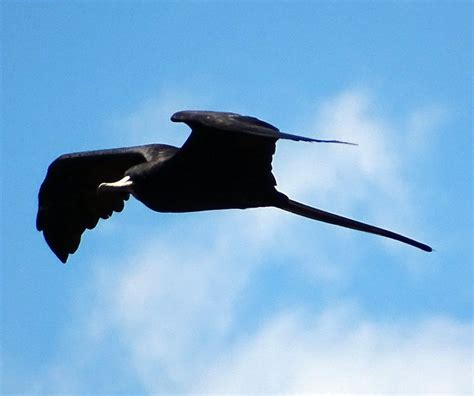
227 147
68 199
331 218
239 147
236 123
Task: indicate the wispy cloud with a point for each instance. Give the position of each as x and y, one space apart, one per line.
341 351
175 322
173 307
348 176
174 318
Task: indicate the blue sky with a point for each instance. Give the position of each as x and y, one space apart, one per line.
258 300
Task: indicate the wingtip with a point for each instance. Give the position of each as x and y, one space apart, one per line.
421 246
62 257
333 141
428 249
290 136
60 252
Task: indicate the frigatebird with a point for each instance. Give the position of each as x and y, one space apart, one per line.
226 163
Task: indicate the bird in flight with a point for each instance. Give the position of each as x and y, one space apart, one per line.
226 163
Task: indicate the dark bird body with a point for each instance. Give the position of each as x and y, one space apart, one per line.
224 164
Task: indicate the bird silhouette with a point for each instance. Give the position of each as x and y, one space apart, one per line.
226 163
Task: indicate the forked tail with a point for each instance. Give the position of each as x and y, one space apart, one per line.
321 215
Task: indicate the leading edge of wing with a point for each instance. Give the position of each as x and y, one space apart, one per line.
233 122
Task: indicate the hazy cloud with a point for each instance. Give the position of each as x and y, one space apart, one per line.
340 351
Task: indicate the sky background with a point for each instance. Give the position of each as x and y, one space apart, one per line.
251 301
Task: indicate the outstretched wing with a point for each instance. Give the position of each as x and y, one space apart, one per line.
227 147
231 146
232 122
331 218
68 199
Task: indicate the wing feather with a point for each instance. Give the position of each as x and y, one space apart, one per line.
228 148
236 123
68 202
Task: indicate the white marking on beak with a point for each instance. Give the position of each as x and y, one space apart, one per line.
124 184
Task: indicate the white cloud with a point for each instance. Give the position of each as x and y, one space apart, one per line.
343 175
174 315
176 322
341 352
192 297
